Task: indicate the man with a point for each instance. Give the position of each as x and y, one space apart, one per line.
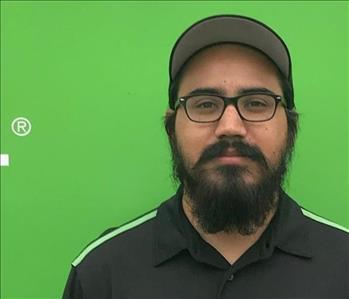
230 231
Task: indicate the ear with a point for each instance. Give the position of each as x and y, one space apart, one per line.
169 112
169 122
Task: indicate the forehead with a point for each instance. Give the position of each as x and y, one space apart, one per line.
229 67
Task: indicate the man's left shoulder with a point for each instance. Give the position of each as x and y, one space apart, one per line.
326 233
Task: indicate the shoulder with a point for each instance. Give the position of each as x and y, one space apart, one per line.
116 241
111 257
324 225
326 234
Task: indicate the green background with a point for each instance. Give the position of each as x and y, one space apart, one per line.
92 79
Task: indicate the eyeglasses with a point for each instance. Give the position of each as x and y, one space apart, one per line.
206 108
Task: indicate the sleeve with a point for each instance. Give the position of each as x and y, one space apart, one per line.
73 289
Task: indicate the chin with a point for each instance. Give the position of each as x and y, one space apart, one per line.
227 173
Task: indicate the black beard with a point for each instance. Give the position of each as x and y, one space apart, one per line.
220 198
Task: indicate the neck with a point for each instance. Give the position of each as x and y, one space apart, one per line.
231 245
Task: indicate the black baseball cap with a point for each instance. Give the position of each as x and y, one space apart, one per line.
231 29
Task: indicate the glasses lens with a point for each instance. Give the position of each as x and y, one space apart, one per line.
256 107
204 108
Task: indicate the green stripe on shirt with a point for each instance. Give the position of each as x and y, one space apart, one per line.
112 234
323 220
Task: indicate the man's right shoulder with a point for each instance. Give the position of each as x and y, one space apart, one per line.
115 242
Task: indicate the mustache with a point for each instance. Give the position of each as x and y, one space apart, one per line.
243 149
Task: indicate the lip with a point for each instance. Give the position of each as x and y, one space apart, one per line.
233 159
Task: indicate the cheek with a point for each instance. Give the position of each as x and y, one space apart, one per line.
271 137
191 137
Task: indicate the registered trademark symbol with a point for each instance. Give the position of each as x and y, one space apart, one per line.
21 126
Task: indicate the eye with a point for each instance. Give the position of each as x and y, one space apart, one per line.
257 102
206 104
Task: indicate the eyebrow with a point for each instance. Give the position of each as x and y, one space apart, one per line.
221 92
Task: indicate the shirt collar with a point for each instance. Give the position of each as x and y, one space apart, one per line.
290 231
173 234
168 237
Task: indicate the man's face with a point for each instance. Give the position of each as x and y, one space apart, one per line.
229 170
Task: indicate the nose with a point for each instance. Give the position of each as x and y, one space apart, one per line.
230 124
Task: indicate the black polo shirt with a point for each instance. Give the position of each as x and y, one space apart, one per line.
161 256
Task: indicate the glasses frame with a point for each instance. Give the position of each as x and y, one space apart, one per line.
228 101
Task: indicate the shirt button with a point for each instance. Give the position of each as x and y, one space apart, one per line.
231 277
